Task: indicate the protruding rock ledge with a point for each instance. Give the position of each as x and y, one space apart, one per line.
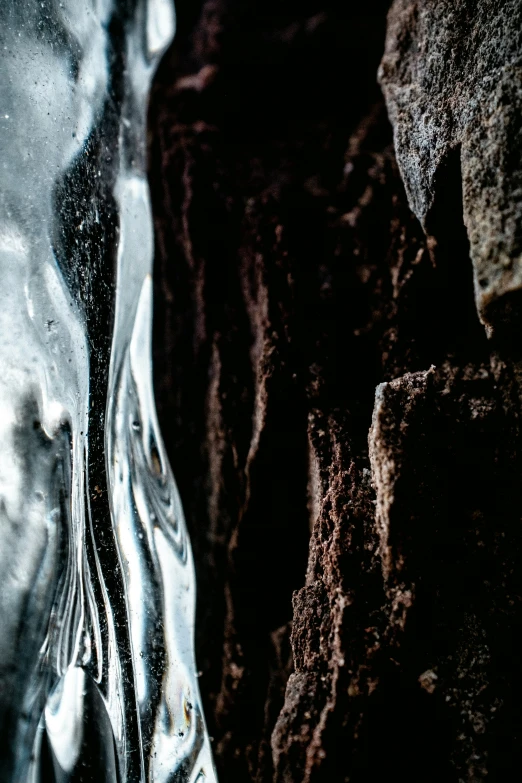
452 78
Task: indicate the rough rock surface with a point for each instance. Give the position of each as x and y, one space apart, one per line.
452 77
329 396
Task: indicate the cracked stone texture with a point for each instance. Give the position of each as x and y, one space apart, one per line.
452 78
346 439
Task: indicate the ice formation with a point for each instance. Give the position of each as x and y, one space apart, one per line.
97 670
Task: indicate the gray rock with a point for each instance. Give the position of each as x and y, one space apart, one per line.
452 79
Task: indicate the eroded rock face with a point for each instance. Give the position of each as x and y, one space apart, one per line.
452 78
296 281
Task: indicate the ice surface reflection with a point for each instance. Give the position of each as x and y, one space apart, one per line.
97 672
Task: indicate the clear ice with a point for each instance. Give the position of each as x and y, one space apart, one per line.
97 673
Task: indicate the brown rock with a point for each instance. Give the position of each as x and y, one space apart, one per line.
292 281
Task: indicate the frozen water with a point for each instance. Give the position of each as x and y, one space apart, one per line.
97 671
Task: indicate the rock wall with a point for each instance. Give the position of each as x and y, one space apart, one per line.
345 435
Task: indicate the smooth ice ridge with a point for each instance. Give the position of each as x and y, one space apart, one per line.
97 673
